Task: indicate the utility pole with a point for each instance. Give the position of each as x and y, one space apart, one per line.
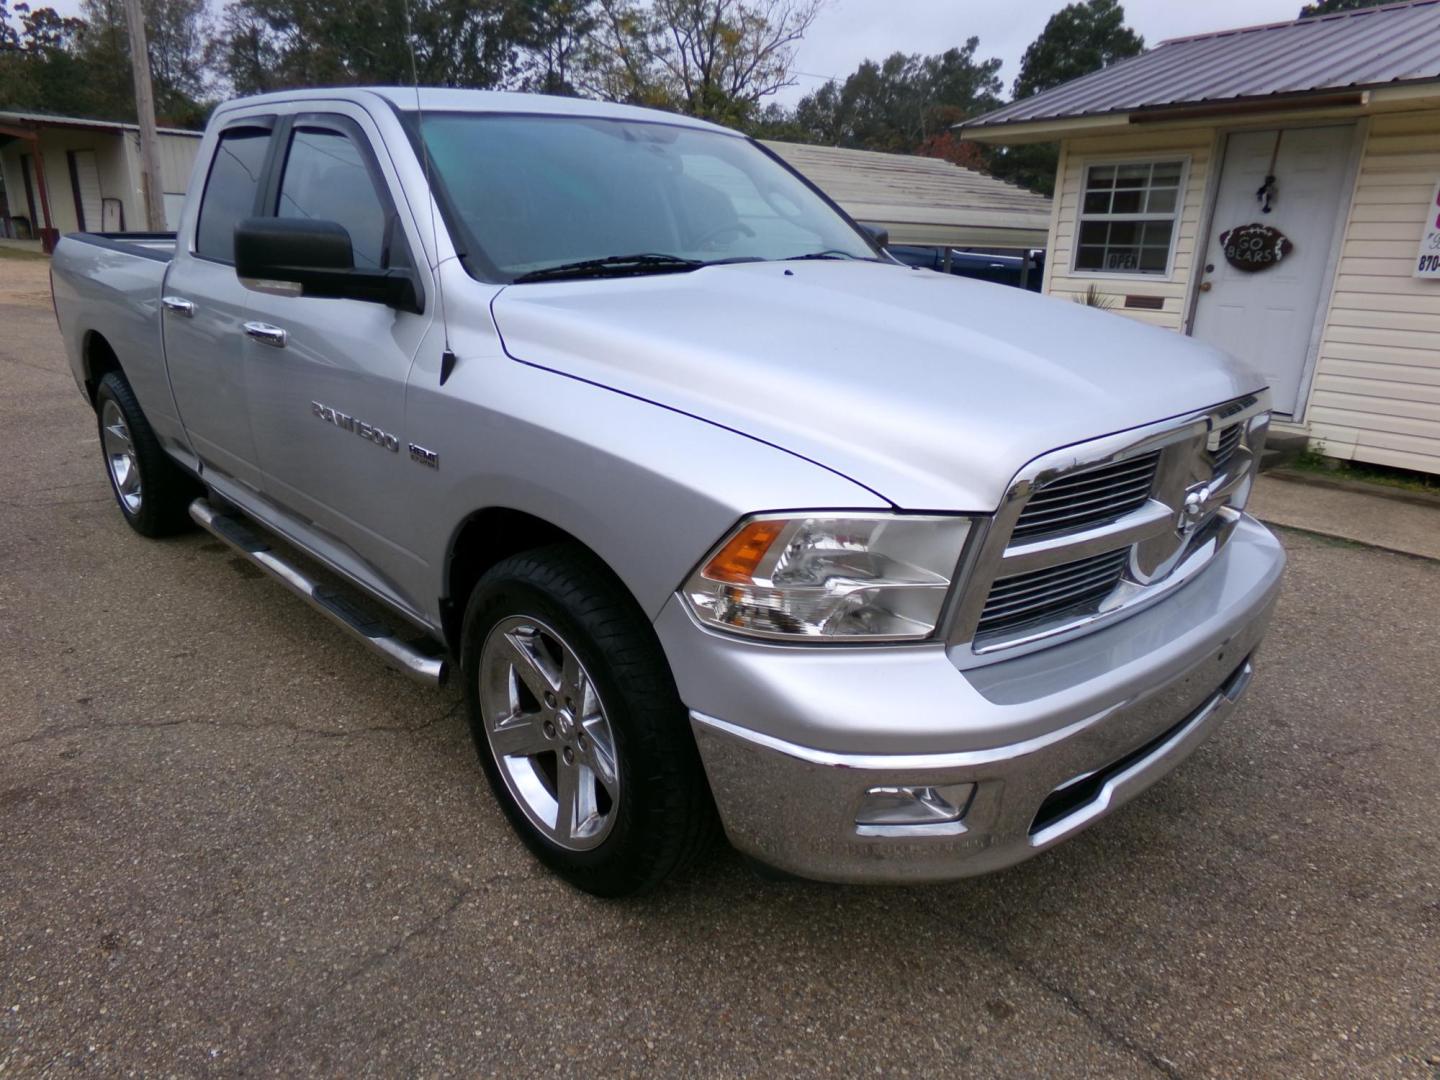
150 187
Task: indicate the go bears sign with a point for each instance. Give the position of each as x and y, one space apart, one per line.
1254 247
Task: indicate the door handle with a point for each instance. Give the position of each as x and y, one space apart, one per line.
266 334
1204 286
179 305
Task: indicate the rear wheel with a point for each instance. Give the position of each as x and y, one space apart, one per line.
152 491
578 725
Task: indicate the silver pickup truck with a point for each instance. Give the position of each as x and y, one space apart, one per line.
715 512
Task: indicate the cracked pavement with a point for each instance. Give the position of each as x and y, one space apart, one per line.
235 844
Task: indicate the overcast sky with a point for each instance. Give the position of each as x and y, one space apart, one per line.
849 31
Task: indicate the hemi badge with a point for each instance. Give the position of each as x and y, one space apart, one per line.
424 457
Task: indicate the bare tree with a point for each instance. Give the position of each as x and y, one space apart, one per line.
712 58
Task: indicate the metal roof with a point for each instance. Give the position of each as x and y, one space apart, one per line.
34 119
923 200
1349 50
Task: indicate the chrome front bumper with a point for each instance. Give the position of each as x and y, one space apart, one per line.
1099 720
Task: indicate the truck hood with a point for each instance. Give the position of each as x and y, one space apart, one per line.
930 390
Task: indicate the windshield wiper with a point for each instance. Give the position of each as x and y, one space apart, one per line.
613 266
832 253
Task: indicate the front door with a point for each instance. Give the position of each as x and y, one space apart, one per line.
1267 316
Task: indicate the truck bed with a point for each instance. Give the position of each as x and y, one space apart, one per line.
159 246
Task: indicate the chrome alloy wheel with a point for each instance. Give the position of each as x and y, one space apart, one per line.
120 456
547 728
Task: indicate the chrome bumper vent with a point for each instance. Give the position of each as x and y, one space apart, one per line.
1088 497
1226 443
1058 592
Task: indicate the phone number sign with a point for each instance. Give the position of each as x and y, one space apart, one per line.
1427 263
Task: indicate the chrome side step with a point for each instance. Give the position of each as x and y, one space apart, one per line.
406 657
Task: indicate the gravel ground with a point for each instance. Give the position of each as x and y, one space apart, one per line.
232 843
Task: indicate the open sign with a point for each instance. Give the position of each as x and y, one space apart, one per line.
1427 264
1255 247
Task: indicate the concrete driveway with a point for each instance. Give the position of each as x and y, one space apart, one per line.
232 843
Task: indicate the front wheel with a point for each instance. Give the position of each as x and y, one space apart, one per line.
152 491
578 725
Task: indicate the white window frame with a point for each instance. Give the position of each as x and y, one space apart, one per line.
1176 215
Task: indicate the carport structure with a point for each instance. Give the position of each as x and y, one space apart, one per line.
67 173
11 128
924 201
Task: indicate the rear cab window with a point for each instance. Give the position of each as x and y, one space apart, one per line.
231 190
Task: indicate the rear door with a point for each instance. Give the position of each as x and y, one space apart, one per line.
203 307
327 376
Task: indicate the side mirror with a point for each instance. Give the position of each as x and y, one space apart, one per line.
878 233
317 256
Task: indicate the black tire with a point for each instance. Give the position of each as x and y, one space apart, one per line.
166 490
664 816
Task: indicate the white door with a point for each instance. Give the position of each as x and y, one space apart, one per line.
86 175
1267 317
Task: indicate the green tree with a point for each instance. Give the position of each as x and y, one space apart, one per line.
177 35
898 104
1078 39
1329 7
552 37
39 66
276 44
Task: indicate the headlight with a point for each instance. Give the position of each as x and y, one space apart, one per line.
849 577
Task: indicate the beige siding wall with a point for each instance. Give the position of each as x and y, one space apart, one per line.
1376 394
1060 279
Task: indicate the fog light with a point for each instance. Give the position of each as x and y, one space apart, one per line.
891 806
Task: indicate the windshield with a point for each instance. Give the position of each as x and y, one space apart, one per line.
532 193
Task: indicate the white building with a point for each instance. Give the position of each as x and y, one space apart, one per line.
1272 190
63 174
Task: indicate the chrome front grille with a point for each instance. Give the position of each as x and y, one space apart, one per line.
1088 497
1065 591
1090 533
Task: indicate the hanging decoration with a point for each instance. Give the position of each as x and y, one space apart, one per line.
1255 246
1268 191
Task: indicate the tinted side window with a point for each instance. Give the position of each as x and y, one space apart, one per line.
230 191
326 178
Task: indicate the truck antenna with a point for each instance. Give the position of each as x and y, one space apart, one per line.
447 358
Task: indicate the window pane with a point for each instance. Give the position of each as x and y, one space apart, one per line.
326 179
1090 258
1132 176
1128 202
1157 233
1102 177
230 192
1094 232
1166 173
1097 202
1161 201
1153 259
1126 232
